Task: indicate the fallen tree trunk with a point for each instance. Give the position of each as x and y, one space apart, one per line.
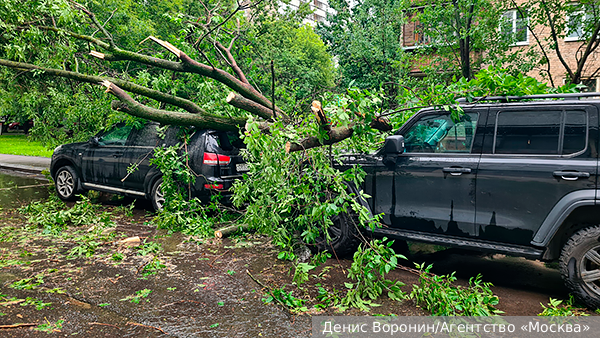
230 230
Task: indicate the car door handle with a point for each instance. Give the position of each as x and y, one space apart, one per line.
118 154
456 171
570 175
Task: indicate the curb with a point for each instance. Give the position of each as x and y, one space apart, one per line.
23 168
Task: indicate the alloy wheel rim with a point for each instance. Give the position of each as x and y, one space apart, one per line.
159 197
590 269
65 184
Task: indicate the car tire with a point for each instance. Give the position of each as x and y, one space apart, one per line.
580 266
156 195
344 236
66 181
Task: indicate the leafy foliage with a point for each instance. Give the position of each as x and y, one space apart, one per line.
556 308
292 195
296 305
181 213
28 283
371 263
301 273
364 38
437 295
138 296
153 267
64 110
50 327
53 215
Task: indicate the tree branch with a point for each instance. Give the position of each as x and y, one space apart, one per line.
588 50
257 109
537 40
234 66
132 107
187 65
129 86
95 21
335 135
554 36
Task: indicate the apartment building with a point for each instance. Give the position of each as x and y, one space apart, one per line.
571 45
320 7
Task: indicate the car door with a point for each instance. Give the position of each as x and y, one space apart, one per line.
434 179
139 151
102 163
532 157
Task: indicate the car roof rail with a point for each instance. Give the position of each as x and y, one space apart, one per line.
505 99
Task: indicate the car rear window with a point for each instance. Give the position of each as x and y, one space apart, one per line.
228 140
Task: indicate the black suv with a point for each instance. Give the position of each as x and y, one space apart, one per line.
514 175
102 163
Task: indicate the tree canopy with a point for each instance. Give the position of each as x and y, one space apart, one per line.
173 62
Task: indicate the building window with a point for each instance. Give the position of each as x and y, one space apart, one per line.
413 31
591 85
514 26
320 4
575 22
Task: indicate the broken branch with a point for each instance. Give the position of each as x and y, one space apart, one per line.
224 232
166 45
317 109
253 107
335 135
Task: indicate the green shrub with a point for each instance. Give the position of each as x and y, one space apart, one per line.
438 295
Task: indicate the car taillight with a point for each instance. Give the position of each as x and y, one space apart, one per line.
213 186
214 159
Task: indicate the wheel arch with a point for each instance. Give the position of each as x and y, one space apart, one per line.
152 176
64 161
580 215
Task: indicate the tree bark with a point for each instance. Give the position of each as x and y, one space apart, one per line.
224 232
132 107
257 109
335 135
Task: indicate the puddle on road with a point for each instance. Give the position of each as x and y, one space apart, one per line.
11 193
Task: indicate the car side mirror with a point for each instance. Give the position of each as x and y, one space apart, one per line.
94 141
394 145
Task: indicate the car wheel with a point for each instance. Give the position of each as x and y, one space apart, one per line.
580 265
157 197
65 181
344 236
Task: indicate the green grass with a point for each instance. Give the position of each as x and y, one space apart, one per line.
19 144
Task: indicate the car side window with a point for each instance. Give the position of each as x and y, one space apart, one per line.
576 128
145 137
438 133
540 132
116 136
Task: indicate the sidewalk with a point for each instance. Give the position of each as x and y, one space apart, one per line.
29 164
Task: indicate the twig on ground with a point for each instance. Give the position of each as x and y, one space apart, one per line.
148 326
12 302
268 289
12 326
211 262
